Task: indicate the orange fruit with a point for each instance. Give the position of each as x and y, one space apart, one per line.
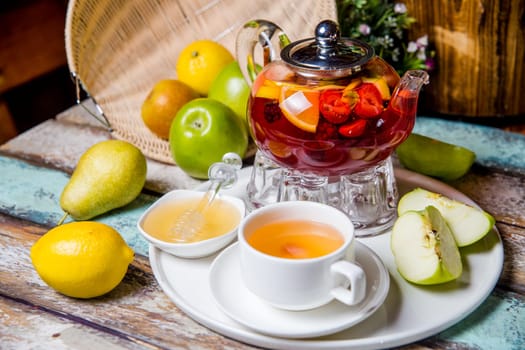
300 106
200 62
162 104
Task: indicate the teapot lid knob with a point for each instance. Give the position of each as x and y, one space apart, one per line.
327 33
327 52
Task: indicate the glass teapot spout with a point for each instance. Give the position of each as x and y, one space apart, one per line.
406 93
413 81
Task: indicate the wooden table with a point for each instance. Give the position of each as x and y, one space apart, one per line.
34 167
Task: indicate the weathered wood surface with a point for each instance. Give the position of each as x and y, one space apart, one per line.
137 314
59 143
136 311
51 331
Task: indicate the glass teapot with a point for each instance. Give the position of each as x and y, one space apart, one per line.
323 108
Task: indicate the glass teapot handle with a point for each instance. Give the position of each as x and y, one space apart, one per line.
272 40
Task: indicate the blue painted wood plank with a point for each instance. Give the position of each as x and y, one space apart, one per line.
498 324
493 147
32 193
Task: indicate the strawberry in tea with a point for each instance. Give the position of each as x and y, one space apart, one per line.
296 239
331 126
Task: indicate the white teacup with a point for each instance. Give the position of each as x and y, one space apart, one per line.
300 283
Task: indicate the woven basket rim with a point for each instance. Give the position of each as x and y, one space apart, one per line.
77 45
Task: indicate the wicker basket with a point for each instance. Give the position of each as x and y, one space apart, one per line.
118 49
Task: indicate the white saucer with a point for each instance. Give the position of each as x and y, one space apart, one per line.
235 300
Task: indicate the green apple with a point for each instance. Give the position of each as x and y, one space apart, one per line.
467 223
230 88
424 248
202 132
435 158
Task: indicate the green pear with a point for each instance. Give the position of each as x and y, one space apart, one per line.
424 248
109 175
467 223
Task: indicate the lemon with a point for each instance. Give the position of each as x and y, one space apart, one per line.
162 104
435 158
81 259
200 62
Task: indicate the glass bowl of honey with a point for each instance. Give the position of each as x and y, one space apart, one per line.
215 228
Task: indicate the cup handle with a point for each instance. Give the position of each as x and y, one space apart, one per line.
356 290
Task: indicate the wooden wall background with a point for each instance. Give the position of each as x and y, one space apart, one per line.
480 48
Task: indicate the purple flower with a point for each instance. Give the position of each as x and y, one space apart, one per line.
364 29
430 63
400 8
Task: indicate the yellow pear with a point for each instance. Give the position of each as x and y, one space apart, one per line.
109 175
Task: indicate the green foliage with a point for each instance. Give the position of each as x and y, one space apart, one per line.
383 24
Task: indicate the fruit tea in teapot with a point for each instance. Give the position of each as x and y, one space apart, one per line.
325 117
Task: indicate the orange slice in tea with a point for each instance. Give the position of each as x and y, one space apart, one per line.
268 89
279 149
300 106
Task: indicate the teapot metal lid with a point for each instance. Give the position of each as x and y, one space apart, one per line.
327 55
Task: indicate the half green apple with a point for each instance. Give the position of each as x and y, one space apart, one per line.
424 249
468 224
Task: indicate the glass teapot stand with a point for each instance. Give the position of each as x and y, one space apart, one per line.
369 197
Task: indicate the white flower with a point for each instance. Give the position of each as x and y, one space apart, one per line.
385 41
400 8
421 54
412 46
390 22
422 41
395 54
398 32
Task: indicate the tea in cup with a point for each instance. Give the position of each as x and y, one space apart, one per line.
299 255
